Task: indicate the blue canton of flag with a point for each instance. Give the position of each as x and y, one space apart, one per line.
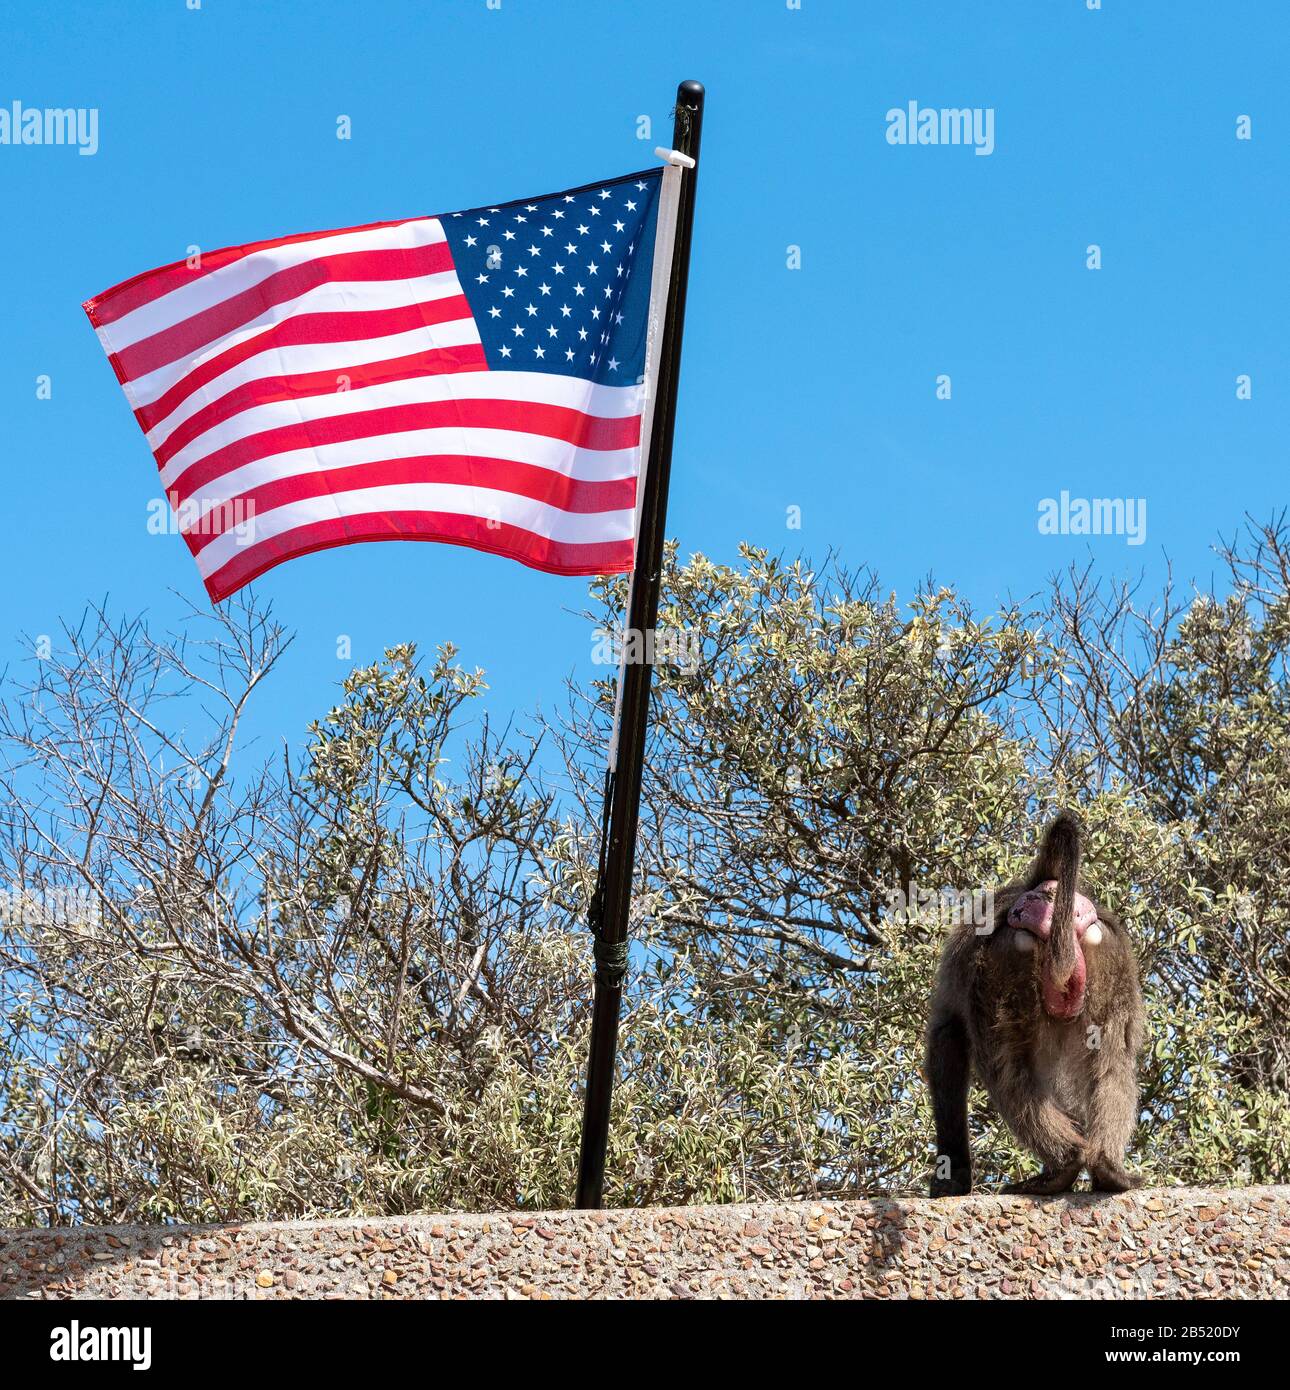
562 283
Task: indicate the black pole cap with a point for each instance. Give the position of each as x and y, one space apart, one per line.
687 116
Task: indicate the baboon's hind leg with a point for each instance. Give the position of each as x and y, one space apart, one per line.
948 1074
1112 1113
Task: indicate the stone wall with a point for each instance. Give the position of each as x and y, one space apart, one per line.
1169 1243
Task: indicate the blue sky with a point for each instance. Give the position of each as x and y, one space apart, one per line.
812 388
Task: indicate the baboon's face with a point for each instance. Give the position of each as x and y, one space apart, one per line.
1030 919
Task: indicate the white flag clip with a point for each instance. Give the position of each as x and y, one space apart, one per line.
674 157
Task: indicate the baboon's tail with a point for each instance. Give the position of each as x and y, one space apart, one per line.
1060 859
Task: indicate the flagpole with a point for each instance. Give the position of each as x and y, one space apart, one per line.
611 902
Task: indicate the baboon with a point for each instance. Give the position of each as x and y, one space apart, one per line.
1044 1005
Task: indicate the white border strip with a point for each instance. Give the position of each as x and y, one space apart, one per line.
669 196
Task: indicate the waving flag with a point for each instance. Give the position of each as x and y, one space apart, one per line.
478 378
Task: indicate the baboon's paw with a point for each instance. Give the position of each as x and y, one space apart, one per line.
1110 1177
958 1184
1046 1184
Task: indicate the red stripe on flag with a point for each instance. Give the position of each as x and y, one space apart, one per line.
190 334
500 475
554 557
335 327
551 421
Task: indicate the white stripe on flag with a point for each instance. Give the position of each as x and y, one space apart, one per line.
505 507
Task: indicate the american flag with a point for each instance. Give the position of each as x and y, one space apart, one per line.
478 378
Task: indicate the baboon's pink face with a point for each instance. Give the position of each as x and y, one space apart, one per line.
1033 913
